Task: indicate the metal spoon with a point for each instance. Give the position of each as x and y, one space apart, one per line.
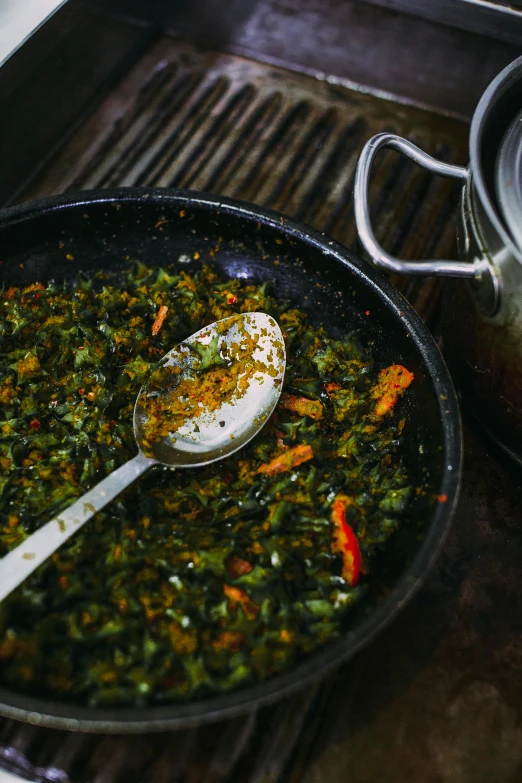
205 437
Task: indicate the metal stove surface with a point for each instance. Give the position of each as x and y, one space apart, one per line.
191 118
438 697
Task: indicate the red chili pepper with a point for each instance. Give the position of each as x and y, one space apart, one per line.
345 541
236 567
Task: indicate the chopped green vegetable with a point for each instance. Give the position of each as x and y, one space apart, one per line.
192 582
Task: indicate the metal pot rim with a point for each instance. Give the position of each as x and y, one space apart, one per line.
487 104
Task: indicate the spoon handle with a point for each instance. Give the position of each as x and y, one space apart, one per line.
16 566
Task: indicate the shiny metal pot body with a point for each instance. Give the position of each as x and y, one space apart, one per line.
482 306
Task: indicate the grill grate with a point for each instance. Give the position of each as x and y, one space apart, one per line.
186 118
208 121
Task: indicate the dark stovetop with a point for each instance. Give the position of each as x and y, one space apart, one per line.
438 697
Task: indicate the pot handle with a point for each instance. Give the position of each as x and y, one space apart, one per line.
380 257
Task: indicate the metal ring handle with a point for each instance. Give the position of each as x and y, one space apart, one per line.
362 209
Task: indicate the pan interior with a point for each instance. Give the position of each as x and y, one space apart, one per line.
337 291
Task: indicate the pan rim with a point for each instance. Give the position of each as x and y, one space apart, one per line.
122 720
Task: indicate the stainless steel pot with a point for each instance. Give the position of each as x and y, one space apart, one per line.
482 311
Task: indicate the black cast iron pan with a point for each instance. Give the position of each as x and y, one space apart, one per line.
107 228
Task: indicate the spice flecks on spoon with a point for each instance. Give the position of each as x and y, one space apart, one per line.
201 383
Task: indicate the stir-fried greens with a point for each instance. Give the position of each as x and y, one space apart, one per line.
193 581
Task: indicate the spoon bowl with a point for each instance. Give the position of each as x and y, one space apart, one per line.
207 398
212 432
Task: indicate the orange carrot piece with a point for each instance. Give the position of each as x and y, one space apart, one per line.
302 406
290 459
236 596
391 383
229 640
345 541
158 323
